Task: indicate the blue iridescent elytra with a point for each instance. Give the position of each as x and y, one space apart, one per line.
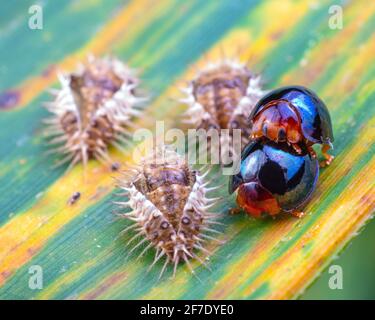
274 178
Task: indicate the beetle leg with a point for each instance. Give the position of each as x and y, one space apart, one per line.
328 158
297 214
235 211
296 148
256 135
256 130
311 151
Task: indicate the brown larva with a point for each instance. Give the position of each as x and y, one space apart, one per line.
222 96
93 110
169 207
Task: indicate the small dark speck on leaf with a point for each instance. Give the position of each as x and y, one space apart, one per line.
74 198
115 166
9 99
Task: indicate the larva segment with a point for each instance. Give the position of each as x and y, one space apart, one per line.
222 96
93 110
170 206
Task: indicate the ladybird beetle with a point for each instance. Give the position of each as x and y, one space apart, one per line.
295 115
274 178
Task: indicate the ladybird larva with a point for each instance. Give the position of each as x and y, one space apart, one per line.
93 110
169 208
222 96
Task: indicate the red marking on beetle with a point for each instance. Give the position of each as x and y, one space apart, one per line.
9 99
254 199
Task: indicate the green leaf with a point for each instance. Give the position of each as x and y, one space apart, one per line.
77 245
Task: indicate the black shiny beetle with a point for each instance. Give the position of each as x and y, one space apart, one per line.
274 178
279 169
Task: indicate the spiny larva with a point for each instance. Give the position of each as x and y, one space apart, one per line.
222 96
169 208
93 110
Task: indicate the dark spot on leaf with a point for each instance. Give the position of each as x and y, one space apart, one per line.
74 198
9 99
115 166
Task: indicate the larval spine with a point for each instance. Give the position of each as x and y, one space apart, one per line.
169 208
222 96
93 110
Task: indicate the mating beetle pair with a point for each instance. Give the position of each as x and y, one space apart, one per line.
279 168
